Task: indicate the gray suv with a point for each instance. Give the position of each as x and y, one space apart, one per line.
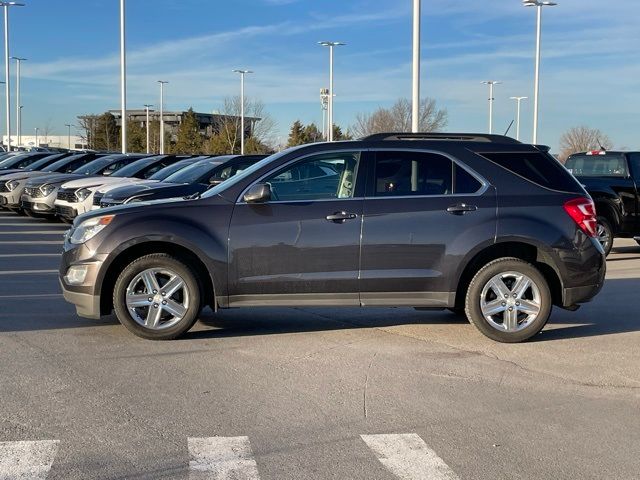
482 225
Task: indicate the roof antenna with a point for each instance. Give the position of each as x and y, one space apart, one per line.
508 128
602 149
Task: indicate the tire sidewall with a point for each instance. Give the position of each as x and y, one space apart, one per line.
609 228
159 261
474 312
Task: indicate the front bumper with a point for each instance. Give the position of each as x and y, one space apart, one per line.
87 305
85 296
10 200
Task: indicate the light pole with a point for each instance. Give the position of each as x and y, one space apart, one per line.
123 76
37 130
68 125
18 106
536 88
7 85
415 107
242 74
147 106
162 84
331 45
324 103
518 100
491 84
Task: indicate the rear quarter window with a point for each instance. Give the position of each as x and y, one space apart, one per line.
537 167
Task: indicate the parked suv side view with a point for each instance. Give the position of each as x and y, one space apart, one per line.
479 224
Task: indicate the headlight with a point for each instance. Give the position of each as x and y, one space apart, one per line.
12 185
82 194
88 229
47 190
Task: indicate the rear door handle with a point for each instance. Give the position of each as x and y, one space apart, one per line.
340 217
461 209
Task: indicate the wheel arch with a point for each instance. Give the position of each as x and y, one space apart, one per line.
509 248
136 250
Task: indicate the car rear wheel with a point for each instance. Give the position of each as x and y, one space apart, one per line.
157 297
604 234
508 300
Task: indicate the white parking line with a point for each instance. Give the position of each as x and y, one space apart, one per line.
13 255
27 460
221 458
37 295
408 457
33 232
33 242
25 272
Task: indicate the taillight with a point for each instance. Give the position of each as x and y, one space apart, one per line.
583 212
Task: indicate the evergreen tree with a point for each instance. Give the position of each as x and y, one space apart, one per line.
106 134
296 135
136 138
189 140
312 134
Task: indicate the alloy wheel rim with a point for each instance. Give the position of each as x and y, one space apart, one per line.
157 298
603 236
510 301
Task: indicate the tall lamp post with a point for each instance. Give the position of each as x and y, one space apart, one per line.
242 74
518 100
536 88
415 106
68 125
331 45
7 85
18 106
123 76
147 107
491 84
324 103
162 84
37 130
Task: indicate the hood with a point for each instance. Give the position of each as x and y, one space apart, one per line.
92 181
127 191
52 178
14 176
125 181
130 208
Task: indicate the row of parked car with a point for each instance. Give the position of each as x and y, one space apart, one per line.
65 185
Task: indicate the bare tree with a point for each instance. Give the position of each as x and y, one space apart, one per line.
397 118
582 139
261 126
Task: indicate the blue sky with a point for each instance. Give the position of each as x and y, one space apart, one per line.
590 71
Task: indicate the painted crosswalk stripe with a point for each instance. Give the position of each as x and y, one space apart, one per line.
408 457
27 460
221 458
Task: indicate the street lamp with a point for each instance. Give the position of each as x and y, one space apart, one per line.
518 99
18 107
7 85
123 76
324 103
536 88
162 84
68 125
415 107
147 106
242 74
330 109
491 84
37 130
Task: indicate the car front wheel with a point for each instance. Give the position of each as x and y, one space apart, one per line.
157 297
508 300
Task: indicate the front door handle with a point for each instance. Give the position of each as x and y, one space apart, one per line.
340 217
461 209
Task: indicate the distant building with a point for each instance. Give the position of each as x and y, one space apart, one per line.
51 141
209 123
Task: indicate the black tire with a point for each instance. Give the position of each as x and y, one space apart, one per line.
604 226
158 261
480 280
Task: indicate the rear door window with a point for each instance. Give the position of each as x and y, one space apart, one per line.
537 167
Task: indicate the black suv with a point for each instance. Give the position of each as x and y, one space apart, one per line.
479 224
613 181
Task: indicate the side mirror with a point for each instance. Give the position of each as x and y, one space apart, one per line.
258 193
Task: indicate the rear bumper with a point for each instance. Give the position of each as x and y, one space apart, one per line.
576 295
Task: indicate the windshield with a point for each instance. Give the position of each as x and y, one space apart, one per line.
166 172
96 166
245 173
134 168
193 173
608 165
61 164
44 162
20 162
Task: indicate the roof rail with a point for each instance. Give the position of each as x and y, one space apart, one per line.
455 137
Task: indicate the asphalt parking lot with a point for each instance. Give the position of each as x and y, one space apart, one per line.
311 393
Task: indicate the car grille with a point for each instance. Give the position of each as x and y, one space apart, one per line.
27 205
66 212
3 187
96 198
109 204
67 195
3 200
